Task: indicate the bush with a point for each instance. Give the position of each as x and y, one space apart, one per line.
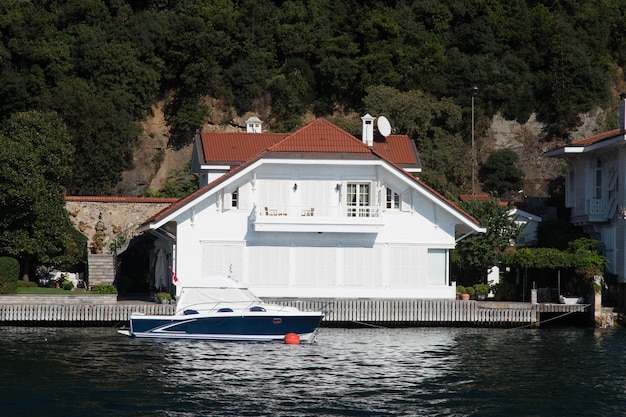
7 285
162 296
26 284
67 285
470 290
460 289
9 268
481 289
104 289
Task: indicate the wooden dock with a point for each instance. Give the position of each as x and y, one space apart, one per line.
436 312
106 310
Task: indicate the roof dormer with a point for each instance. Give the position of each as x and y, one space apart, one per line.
253 125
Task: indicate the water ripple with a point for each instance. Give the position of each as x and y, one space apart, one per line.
365 372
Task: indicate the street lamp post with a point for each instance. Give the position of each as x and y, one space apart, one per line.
474 90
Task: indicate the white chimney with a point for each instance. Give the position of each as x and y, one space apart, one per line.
368 129
622 111
253 125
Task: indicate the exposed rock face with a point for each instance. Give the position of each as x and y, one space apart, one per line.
528 140
155 162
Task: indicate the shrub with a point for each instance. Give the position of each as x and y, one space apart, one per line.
7 285
481 289
104 289
460 289
470 290
162 296
9 268
67 285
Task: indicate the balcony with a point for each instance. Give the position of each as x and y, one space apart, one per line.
362 219
596 211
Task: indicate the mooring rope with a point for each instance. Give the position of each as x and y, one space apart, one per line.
538 323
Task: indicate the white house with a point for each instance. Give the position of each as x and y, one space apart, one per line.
316 213
594 189
529 223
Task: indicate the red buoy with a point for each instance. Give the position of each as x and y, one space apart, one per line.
292 339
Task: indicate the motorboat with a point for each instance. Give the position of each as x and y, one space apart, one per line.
226 311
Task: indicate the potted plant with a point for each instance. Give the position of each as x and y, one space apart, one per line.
462 293
459 290
97 242
82 226
481 291
162 297
470 291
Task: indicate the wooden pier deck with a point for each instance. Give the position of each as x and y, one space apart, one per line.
107 310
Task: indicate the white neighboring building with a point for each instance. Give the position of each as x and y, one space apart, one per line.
314 214
529 223
594 189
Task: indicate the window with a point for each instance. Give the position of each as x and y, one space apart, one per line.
393 200
571 189
234 199
437 267
598 188
358 200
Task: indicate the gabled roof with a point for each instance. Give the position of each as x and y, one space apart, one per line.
319 137
235 147
316 138
589 143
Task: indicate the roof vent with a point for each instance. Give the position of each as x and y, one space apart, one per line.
253 125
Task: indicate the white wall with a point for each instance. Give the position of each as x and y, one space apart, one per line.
395 262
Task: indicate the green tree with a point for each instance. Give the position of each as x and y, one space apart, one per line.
35 164
435 126
500 172
104 133
479 252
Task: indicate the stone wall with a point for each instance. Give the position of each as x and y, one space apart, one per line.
118 217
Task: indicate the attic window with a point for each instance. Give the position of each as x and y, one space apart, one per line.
393 200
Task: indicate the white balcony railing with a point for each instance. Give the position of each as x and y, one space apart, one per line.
361 219
598 209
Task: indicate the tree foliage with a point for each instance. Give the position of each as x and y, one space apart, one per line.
35 164
500 172
480 251
102 65
582 257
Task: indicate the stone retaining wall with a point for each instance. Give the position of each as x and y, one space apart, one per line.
120 216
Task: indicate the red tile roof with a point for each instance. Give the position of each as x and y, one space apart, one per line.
236 147
114 199
590 140
319 136
397 148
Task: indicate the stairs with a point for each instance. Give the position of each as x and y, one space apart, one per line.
101 269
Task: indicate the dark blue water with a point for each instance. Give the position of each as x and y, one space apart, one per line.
403 372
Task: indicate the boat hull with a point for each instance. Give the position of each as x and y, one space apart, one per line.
226 327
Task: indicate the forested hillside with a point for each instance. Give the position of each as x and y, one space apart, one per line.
101 66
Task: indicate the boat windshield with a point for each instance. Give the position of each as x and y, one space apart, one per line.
195 296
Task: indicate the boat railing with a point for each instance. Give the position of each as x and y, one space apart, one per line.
227 307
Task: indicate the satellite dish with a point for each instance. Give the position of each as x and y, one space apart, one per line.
383 126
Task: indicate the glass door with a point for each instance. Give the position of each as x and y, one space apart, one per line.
358 200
